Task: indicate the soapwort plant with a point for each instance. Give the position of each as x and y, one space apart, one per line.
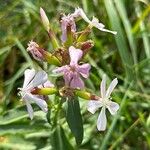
71 70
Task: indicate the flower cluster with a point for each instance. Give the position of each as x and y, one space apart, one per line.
68 57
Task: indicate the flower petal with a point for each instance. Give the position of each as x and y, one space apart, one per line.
75 55
65 22
106 30
77 82
80 13
102 120
100 26
28 76
112 107
60 69
40 102
29 109
111 87
48 84
84 70
39 78
103 86
68 76
93 106
95 22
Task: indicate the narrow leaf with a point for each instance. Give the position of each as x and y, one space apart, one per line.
59 140
74 119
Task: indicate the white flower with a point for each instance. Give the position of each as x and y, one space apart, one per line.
94 23
104 102
33 79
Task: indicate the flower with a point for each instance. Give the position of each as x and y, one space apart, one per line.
73 71
33 79
94 23
35 50
104 102
67 21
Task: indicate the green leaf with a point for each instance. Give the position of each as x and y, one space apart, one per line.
18 114
59 140
48 116
120 39
74 119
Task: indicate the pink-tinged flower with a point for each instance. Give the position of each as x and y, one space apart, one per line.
73 71
94 23
33 79
35 50
67 21
104 102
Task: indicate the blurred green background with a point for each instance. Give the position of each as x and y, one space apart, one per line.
125 56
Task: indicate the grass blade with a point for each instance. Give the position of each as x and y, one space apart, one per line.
120 39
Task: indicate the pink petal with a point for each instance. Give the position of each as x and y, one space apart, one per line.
76 82
65 22
68 76
60 69
64 32
75 55
84 70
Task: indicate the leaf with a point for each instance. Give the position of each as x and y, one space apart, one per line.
48 116
59 140
16 143
74 119
120 39
18 114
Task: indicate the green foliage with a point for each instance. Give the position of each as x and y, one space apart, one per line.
74 119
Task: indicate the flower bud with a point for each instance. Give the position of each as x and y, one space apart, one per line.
51 59
45 20
40 54
36 51
85 46
85 95
83 36
44 91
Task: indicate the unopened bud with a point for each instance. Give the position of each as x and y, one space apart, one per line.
40 54
85 46
85 95
45 20
44 91
35 50
51 59
83 36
